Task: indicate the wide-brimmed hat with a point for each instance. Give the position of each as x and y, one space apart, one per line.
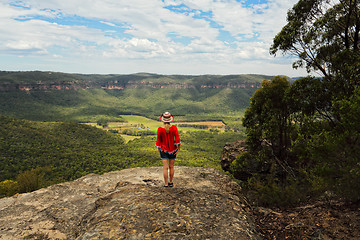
166 117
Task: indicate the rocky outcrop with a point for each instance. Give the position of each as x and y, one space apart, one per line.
41 87
131 204
230 153
248 164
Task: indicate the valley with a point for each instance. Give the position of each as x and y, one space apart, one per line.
119 115
50 96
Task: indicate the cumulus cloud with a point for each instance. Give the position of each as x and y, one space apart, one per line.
181 32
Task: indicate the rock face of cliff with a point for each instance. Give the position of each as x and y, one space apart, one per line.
131 204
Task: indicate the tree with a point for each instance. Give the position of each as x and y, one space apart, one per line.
325 37
308 97
102 122
268 120
312 125
318 30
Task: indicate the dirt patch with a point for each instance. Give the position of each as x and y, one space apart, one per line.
320 221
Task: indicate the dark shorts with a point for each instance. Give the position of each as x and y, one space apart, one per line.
166 155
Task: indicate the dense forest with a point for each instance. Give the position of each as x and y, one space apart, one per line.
303 139
57 151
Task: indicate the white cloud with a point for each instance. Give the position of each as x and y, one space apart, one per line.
145 32
234 17
108 23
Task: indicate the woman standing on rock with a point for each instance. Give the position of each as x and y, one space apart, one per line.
168 143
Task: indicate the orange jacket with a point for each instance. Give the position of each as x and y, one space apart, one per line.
168 142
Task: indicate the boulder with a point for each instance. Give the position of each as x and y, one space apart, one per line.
131 204
230 153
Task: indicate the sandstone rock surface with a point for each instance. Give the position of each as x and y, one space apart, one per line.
131 204
230 152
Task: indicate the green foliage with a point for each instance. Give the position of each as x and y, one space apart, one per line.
31 180
324 35
8 188
243 166
102 122
320 154
308 96
69 149
137 132
199 126
268 119
204 148
308 132
270 192
335 151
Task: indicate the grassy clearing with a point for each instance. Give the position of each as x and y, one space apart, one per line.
133 120
136 125
128 138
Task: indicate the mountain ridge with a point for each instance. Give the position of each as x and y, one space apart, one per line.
37 80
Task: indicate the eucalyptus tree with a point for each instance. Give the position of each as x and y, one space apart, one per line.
324 35
310 127
267 119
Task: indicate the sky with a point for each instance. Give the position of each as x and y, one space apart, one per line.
189 37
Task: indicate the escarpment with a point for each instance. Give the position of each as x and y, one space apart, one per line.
131 204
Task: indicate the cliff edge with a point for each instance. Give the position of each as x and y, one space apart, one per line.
131 204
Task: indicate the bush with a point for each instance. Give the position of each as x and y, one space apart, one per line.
8 188
31 180
268 191
102 122
239 168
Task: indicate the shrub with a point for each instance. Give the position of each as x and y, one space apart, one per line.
31 180
268 191
239 168
102 122
8 188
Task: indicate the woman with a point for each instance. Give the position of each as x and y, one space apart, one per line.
168 143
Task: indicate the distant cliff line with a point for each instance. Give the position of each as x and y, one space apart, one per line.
30 81
115 85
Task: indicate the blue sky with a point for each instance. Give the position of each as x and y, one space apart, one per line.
157 36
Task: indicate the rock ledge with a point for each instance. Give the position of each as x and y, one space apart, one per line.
131 204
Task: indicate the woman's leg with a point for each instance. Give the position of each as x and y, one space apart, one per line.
172 170
165 170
